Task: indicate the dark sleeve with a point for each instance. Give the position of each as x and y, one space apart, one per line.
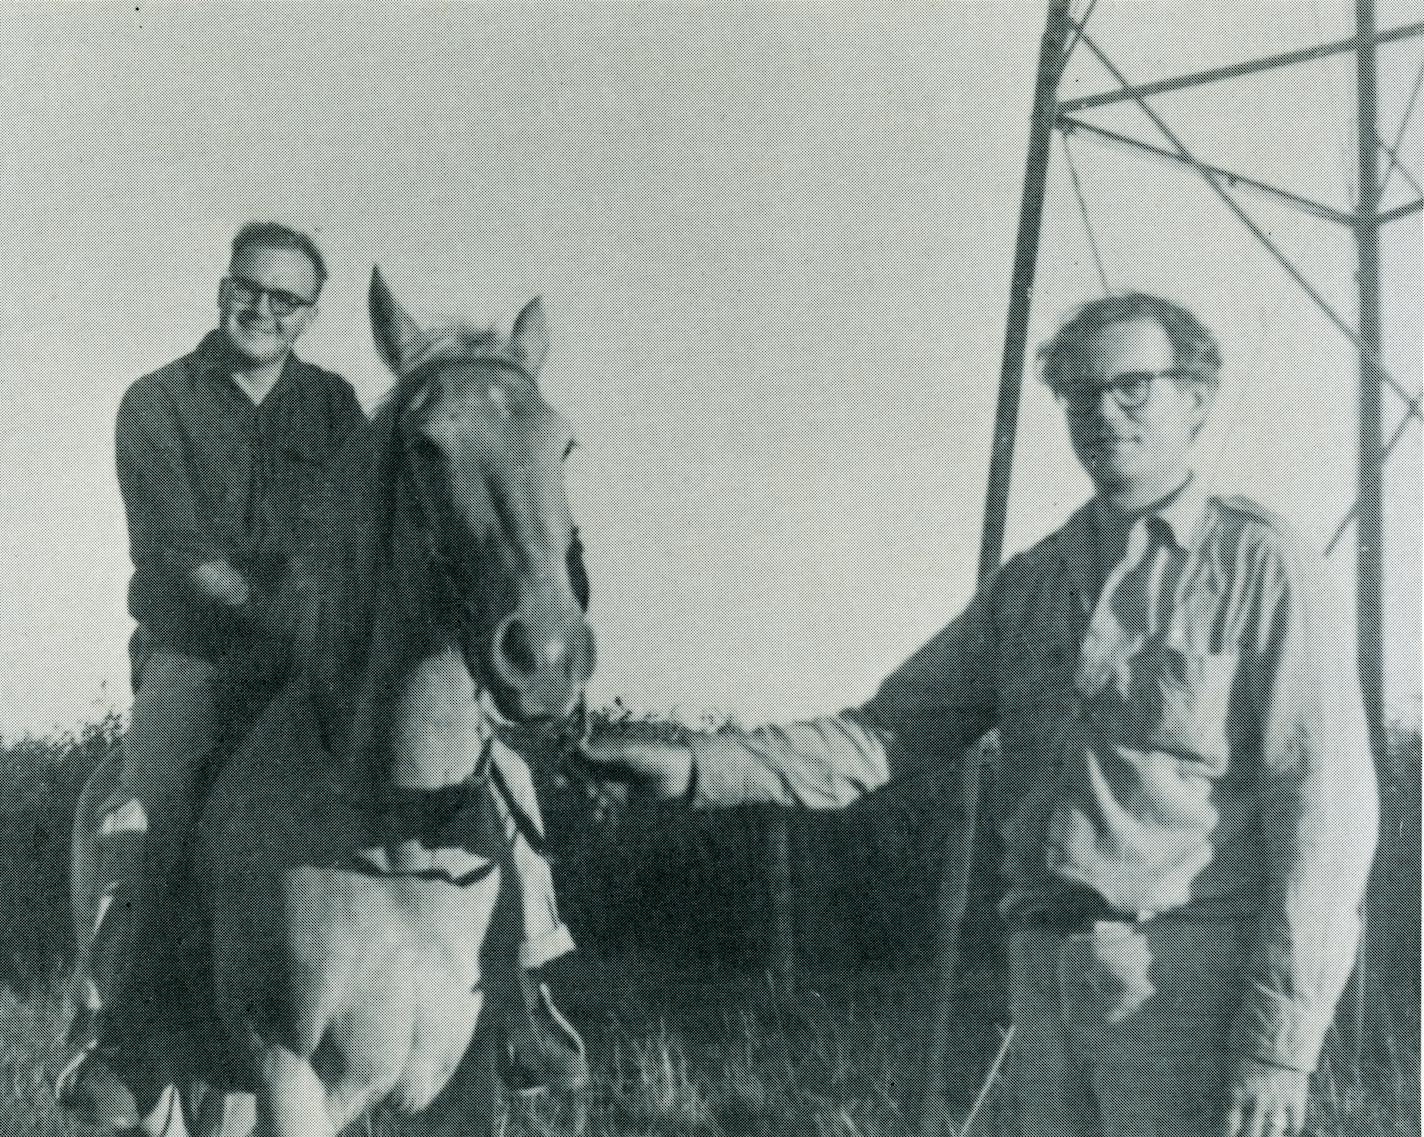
347 417
167 529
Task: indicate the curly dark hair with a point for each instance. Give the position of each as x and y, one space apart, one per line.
274 235
1065 357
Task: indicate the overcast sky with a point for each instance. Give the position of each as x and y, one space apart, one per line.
774 245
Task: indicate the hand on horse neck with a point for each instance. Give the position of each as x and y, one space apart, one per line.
439 729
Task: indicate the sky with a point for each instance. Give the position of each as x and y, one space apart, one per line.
774 244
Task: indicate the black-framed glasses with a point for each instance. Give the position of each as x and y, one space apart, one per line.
249 293
1130 389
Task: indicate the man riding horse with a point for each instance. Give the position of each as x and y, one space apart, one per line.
221 458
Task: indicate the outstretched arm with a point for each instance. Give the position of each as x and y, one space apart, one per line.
929 709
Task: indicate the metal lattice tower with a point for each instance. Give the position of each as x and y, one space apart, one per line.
1063 35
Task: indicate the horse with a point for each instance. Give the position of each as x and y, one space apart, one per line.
349 862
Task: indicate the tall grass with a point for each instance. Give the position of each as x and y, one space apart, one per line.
687 1034
40 782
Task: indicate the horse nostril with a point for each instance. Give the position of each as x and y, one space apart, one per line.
514 647
544 660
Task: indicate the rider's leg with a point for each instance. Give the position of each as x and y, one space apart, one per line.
546 1047
168 743
141 829
545 937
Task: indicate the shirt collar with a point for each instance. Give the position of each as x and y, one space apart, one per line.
1077 540
1183 512
1180 514
212 363
210 359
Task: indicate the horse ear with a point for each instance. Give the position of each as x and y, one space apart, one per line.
529 342
398 337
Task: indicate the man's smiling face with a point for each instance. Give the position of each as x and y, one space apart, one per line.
266 301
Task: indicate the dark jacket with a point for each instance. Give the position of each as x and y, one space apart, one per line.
206 476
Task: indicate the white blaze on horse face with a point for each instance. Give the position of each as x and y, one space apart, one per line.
503 448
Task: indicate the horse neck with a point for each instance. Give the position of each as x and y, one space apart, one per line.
414 720
396 706
438 730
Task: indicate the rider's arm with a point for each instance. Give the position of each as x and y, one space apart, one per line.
1318 811
168 530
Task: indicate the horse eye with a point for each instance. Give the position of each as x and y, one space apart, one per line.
570 448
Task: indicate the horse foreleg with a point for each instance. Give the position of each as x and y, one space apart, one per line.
216 1114
484 1104
165 1119
86 877
291 1099
473 1101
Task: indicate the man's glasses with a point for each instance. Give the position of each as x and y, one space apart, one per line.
249 293
1130 390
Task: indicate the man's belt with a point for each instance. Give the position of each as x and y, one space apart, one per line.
1078 910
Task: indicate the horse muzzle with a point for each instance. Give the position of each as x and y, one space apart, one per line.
543 660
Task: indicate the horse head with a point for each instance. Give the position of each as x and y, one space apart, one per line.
484 455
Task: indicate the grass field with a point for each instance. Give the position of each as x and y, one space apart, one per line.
686 1034
731 1058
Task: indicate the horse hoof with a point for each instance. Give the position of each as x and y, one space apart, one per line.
95 1094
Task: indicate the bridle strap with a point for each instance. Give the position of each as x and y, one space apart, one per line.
430 520
427 814
524 825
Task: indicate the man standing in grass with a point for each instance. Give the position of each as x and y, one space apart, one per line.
1187 803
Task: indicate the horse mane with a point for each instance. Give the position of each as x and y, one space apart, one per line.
358 599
